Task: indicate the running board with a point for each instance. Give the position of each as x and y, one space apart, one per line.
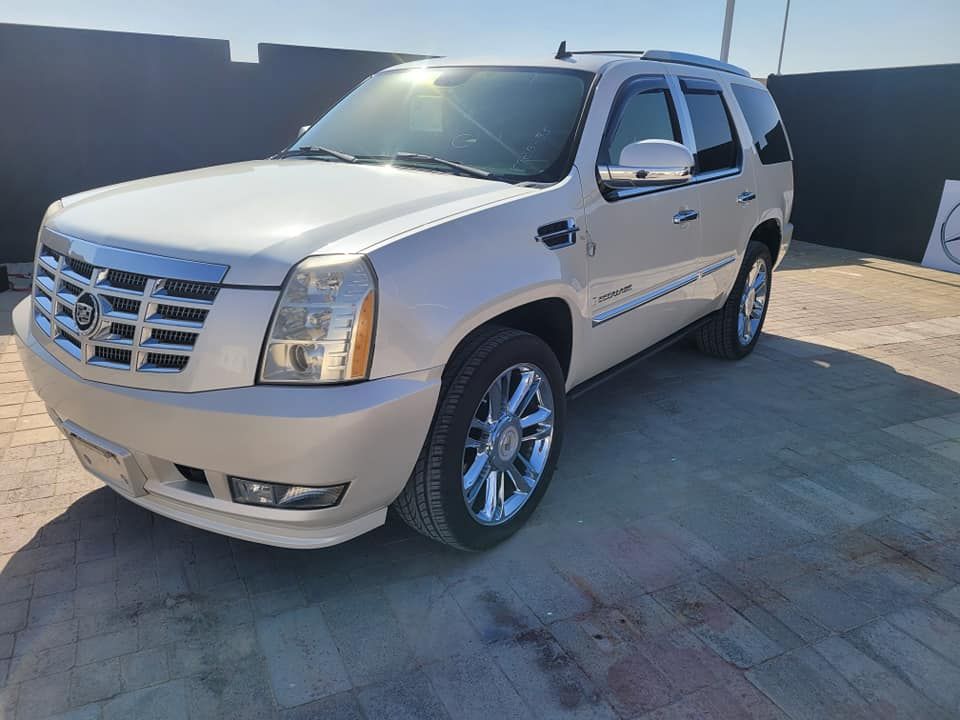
588 385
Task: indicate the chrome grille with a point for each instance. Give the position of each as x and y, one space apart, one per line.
145 324
192 317
123 330
172 337
187 289
111 356
79 267
165 362
124 305
126 280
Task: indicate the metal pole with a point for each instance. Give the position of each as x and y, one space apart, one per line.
783 37
727 30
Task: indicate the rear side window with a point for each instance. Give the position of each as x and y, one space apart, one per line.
643 111
717 146
764 122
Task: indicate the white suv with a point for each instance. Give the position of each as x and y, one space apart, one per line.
393 310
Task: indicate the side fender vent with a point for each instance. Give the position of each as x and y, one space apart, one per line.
556 235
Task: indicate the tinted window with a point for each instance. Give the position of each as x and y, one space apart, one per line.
517 123
646 115
764 122
717 147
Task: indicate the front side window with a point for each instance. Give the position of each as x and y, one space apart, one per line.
519 124
644 111
764 122
713 131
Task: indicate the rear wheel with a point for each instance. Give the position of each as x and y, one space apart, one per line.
733 332
493 444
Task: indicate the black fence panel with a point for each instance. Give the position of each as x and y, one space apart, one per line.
84 108
871 151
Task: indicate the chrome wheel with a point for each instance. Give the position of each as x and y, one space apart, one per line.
753 302
508 444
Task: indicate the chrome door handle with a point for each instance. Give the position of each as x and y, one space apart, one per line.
685 216
745 197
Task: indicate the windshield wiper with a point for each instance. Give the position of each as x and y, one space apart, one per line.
314 150
422 157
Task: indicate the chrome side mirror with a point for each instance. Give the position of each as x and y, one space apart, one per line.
649 163
303 130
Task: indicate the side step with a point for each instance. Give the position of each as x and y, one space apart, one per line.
588 385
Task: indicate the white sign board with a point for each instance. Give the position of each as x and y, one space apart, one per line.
943 249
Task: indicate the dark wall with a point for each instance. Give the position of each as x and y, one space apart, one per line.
871 151
85 108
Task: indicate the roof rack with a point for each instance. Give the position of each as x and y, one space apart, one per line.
660 56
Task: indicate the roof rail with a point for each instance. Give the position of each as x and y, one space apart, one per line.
691 59
660 56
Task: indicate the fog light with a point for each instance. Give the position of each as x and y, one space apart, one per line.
294 497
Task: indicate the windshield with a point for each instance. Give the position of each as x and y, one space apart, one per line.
518 124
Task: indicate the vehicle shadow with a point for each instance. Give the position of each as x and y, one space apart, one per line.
680 447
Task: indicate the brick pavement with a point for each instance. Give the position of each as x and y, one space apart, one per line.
774 538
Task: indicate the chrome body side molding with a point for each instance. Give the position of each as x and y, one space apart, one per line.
659 292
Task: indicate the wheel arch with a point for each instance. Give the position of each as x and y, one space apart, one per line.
550 318
769 232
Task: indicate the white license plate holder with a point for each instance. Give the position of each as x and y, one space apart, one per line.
111 463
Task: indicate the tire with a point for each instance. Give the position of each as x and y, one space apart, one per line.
721 337
434 500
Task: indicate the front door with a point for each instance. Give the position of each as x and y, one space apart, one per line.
647 240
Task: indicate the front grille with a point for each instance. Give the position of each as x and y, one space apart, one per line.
123 330
166 361
186 315
124 305
173 337
81 268
141 323
190 290
127 280
69 287
110 355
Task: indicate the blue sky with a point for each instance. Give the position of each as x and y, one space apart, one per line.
823 34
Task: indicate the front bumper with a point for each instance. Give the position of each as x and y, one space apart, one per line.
368 434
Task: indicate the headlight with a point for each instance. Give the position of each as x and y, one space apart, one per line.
322 329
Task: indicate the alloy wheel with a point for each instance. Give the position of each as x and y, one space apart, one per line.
753 302
508 444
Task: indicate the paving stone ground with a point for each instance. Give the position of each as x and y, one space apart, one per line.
777 538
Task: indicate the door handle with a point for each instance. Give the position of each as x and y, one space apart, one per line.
685 216
745 197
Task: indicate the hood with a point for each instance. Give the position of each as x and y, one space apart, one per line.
262 217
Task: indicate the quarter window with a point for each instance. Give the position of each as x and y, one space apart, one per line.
716 139
764 122
644 112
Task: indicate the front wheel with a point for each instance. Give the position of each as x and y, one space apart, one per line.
734 330
493 444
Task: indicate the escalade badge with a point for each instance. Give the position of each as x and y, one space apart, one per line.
86 313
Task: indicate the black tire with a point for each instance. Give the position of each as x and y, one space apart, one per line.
719 337
432 501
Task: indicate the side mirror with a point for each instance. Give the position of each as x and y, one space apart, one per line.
649 163
303 130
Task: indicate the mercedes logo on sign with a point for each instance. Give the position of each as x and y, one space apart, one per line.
86 313
950 234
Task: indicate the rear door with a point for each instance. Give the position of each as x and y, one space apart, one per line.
771 148
725 176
